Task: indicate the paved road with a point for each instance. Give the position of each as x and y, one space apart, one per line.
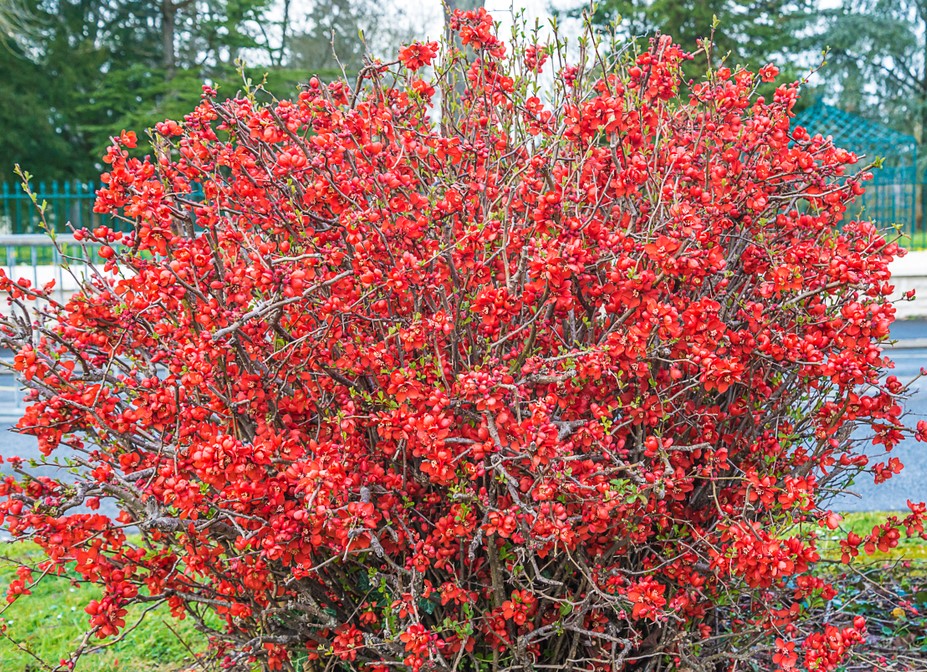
910 484
909 329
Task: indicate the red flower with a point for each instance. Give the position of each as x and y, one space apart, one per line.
346 643
647 598
535 57
769 72
417 54
520 608
416 639
785 657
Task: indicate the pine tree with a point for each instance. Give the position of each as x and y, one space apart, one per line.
751 33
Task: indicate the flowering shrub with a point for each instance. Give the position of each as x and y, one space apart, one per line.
563 383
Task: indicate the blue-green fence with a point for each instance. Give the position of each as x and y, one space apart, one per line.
67 202
895 196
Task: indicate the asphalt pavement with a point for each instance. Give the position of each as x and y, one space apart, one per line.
909 356
911 483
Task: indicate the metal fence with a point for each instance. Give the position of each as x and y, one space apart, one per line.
894 197
66 202
36 258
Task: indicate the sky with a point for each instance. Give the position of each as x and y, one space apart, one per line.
428 12
424 18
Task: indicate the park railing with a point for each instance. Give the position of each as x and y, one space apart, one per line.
893 198
67 202
35 257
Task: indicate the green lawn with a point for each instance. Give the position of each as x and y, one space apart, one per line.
917 241
914 550
51 622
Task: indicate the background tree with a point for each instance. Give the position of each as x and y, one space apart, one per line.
338 34
52 71
878 61
14 21
878 67
752 32
106 65
32 132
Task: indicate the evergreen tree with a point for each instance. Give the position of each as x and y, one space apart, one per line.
86 69
89 68
339 34
878 61
747 32
33 131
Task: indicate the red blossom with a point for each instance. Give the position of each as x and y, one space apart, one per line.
535 57
769 72
417 54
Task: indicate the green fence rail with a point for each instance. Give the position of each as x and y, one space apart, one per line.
891 199
67 202
894 197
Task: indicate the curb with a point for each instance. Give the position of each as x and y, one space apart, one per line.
908 344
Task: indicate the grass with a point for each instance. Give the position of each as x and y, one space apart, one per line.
51 622
915 241
913 550
22 255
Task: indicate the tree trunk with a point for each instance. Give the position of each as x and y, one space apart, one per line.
283 28
451 5
454 86
168 28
